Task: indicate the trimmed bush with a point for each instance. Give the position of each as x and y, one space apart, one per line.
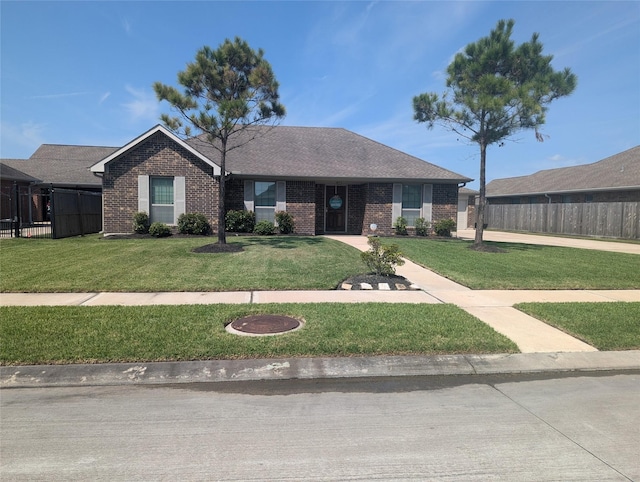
285 223
382 259
422 227
159 230
401 226
240 221
444 227
141 223
193 223
264 228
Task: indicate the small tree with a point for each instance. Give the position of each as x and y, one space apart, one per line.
494 90
382 259
226 91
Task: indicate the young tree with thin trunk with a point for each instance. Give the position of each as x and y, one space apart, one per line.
495 89
226 92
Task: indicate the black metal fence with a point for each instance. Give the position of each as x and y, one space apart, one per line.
50 213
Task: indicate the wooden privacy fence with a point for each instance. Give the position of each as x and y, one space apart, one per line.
605 219
75 213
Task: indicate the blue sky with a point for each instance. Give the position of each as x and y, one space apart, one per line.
82 72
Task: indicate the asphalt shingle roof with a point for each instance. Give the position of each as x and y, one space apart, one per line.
8 173
321 153
62 164
615 172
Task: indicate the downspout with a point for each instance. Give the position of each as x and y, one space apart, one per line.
548 197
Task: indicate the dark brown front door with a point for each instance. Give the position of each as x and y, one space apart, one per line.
336 208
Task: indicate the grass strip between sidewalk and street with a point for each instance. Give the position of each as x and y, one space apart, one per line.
606 326
523 266
101 334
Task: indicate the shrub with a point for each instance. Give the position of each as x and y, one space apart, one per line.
285 223
444 227
193 223
141 223
264 228
240 221
382 259
159 230
422 227
401 226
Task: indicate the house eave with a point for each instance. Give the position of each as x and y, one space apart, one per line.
567 191
348 180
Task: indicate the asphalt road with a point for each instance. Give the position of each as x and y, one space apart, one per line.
580 427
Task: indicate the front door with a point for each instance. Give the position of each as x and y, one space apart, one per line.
335 209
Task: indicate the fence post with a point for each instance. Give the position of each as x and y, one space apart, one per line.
16 213
52 212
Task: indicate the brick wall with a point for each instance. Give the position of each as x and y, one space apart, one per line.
445 202
379 201
357 196
156 156
301 205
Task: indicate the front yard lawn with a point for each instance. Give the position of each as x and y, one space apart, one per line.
93 263
100 334
607 326
523 266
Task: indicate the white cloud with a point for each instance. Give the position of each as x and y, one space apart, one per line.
18 140
104 97
143 106
57 96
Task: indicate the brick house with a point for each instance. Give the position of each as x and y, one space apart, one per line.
329 179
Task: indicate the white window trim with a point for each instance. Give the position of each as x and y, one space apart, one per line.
426 211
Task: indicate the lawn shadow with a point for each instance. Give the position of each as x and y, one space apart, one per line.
277 242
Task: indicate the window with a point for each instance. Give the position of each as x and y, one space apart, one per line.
162 200
265 201
411 202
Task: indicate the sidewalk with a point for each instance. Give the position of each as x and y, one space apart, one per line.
543 347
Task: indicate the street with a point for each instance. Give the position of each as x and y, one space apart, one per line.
503 427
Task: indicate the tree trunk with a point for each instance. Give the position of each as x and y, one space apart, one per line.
222 236
482 201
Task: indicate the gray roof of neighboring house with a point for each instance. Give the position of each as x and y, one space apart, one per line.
63 165
618 172
321 153
8 173
466 190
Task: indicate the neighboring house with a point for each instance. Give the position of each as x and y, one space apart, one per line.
616 178
466 208
55 166
13 183
330 180
598 199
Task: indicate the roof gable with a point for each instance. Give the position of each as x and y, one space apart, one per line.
99 166
620 171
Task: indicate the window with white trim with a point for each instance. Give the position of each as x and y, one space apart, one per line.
162 200
264 200
411 202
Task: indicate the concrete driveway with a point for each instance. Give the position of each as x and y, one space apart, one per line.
596 244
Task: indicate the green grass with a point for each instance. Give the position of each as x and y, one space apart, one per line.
93 263
523 266
607 326
57 335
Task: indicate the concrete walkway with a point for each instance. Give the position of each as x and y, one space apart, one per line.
496 307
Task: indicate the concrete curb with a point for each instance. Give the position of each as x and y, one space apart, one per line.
312 368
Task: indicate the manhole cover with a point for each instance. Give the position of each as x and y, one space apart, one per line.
264 324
